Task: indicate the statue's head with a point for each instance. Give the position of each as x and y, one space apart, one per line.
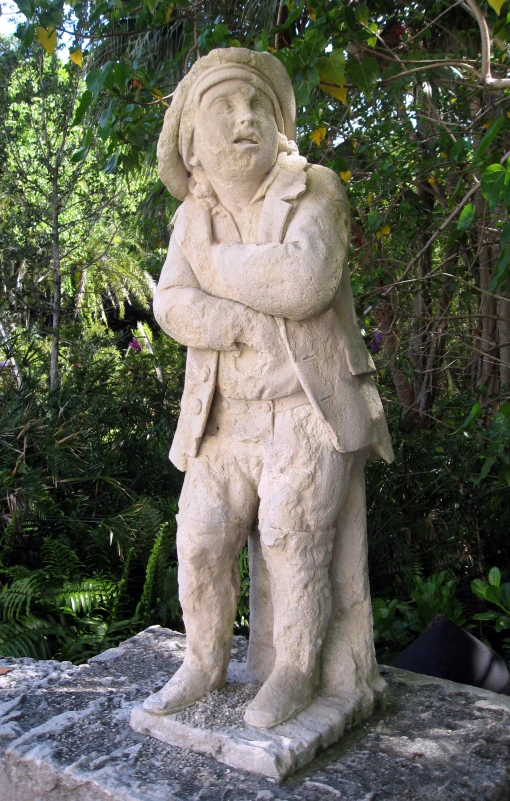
230 116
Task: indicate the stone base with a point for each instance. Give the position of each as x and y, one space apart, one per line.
65 736
275 753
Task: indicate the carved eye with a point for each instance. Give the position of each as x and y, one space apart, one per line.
222 105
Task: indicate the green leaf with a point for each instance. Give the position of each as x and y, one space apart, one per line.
332 67
372 40
459 149
121 72
502 623
95 79
505 235
52 17
363 73
80 154
374 220
479 588
494 577
502 270
486 616
473 415
107 114
362 14
303 86
504 409
25 33
86 100
290 19
262 43
26 7
221 33
111 164
491 134
500 428
467 217
504 596
492 594
486 467
496 185
315 41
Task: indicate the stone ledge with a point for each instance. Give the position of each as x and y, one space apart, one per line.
65 736
275 753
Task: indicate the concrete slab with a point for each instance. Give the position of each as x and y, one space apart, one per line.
65 736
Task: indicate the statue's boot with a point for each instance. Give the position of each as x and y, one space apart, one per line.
283 695
185 687
208 591
298 565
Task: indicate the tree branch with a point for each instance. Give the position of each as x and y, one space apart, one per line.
474 189
487 79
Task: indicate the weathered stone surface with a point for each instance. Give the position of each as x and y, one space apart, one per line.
280 408
65 736
276 753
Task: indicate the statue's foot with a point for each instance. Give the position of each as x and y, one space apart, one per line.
286 692
185 688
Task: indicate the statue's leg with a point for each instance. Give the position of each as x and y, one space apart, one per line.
349 667
301 492
298 564
261 653
216 511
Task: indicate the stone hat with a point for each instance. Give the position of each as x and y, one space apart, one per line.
260 69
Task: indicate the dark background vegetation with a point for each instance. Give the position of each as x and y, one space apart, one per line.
410 104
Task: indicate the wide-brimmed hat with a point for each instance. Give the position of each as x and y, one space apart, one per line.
261 69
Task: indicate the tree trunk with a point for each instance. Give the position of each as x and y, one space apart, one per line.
504 342
80 295
405 392
57 291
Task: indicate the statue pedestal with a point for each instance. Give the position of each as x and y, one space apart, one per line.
65 736
214 727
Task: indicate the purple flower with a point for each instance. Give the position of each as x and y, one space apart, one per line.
135 345
377 343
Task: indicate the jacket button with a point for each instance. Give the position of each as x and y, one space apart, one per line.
204 374
196 405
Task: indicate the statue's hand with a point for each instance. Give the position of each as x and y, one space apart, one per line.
259 331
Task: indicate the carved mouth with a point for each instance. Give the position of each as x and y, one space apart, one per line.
246 141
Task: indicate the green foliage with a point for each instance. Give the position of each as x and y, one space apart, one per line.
87 532
496 185
410 128
495 594
398 623
242 622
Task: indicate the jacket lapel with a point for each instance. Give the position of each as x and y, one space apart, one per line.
287 184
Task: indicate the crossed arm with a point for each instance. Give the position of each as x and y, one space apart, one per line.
234 290
200 320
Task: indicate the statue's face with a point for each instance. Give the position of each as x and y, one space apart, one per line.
236 135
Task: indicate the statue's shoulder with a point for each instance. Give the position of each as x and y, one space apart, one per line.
183 217
324 182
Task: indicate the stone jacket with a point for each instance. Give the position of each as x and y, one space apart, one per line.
212 293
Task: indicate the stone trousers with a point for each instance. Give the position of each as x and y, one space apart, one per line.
270 465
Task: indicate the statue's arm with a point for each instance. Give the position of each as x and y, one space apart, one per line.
199 320
299 278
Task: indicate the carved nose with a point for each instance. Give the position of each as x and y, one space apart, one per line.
245 115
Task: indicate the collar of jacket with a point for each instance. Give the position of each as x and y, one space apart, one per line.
285 183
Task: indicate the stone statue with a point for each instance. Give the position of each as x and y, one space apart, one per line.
280 409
